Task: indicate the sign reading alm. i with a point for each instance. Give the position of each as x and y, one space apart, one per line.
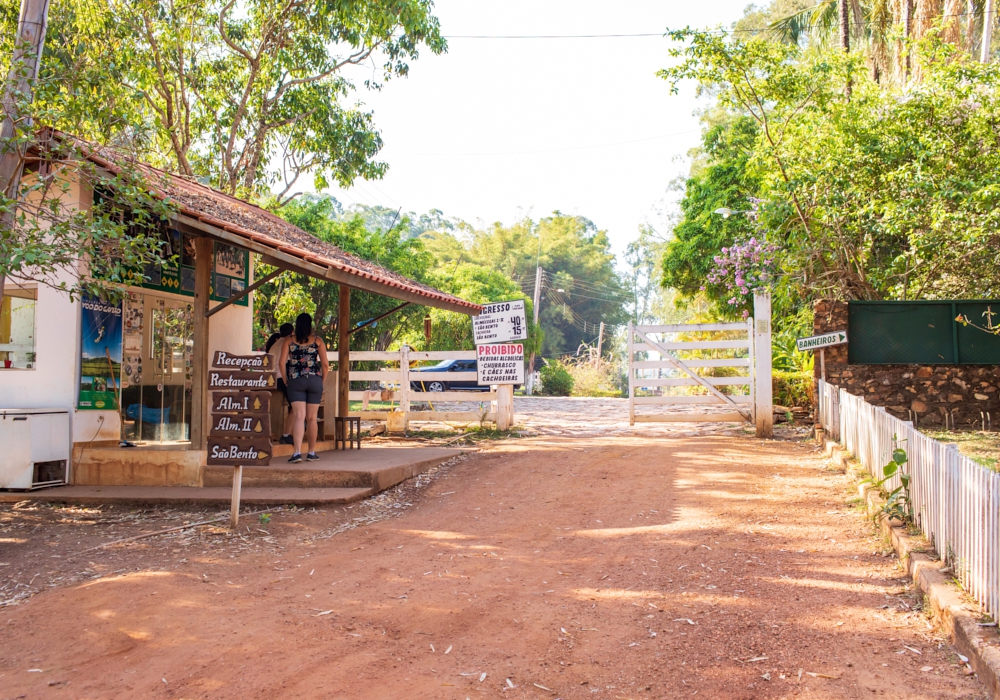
818 342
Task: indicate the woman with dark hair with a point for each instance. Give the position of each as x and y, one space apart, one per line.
274 344
303 366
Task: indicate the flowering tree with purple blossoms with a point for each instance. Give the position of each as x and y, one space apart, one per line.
743 268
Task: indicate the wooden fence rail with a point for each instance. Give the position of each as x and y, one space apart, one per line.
956 502
498 402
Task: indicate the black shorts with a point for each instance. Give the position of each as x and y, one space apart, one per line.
282 388
308 388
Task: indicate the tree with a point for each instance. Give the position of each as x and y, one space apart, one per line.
280 300
891 194
45 237
727 181
576 257
247 95
475 283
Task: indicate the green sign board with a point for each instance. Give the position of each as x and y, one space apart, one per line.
230 269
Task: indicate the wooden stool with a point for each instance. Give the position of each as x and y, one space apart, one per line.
346 432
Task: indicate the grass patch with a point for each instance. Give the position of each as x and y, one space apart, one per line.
372 405
982 448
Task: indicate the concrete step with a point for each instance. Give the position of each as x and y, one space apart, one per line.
377 468
189 495
280 477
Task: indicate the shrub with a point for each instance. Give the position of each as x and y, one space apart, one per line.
556 379
595 380
792 388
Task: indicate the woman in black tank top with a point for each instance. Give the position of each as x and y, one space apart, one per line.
303 366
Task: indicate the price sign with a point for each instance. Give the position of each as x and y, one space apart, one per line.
500 322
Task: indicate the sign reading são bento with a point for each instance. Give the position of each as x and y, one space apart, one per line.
499 360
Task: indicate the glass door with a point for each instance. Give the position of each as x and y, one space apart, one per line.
157 404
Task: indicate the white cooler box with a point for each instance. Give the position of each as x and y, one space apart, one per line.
34 447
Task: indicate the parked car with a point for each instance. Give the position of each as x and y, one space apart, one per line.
444 384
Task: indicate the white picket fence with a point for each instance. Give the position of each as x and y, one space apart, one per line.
498 402
956 501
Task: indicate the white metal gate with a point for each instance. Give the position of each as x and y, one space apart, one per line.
671 364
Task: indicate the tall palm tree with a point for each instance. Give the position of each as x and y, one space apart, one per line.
874 24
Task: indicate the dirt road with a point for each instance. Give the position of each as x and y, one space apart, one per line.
549 567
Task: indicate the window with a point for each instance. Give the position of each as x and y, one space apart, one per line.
17 328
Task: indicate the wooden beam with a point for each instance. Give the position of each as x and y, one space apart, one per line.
273 256
262 281
200 353
378 318
344 351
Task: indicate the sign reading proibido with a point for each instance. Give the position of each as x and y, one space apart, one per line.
500 322
500 363
818 342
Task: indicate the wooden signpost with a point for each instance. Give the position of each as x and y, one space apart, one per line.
241 420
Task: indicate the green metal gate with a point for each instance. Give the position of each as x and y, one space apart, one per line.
922 332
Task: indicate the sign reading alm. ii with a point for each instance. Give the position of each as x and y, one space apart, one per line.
500 322
500 363
818 342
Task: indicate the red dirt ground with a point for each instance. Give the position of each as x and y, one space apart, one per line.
604 567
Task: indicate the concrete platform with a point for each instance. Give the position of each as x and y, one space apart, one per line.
341 476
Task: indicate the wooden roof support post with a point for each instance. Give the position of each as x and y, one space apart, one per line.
344 351
199 357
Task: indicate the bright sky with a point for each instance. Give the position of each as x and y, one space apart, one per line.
498 128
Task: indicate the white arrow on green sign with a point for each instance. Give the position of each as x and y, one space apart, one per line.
818 342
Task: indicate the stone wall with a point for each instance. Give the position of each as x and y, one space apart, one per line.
930 395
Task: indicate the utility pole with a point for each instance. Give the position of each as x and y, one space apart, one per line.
530 384
24 66
989 11
600 342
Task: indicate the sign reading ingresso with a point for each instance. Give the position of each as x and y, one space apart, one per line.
500 322
818 342
500 363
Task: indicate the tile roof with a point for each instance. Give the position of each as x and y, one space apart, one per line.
249 221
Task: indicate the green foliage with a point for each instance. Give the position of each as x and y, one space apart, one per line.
265 518
890 194
791 389
282 299
247 95
479 284
727 181
576 256
556 379
590 378
896 503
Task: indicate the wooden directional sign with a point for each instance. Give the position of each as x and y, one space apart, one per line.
238 379
224 360
241 402
818 342
240 426
230 452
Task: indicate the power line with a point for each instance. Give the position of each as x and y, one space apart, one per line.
638 35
